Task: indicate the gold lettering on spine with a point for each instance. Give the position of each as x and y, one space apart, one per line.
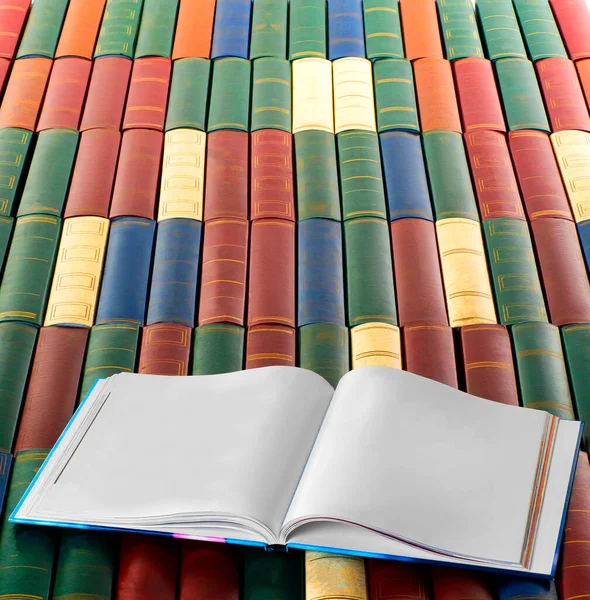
376 345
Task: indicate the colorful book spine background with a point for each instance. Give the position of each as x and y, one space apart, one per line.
198 188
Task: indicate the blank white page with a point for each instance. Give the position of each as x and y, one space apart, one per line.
426 462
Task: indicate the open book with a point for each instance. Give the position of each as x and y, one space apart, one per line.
388 465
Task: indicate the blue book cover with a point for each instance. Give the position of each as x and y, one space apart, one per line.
346 32
5 464
231 30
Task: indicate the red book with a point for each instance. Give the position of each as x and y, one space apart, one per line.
271 346
566 106
573 19
575 556
538 175
65 95
451 584
272 175
106 94
138 174
390 580
165 349
194 29
226 192
429 351
488 363
53 386
493 177
223 277
478 95
148 94
208 572
94 174
271 287
418 281
583 68
14 15
564 273
21 104
148 568
4 68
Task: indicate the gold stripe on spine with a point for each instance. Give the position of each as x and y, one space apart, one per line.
333 576
183 175
312 95
376 345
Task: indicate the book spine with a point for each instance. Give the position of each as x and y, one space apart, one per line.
541 369
520 93
183 175
465 273
29 269
94 174
389 580
499 26
65 95
395 94
317 176
175 272
78 270
563 95
369 272
429 351
563 271
487 363
24 93
320 271
118 29
404 170
538 175
271 94
361 178
383 32
123 293
346 36
194 29
540 32
229 102
324 349
450 182
584 235
272 575
313 106
226 192
459 30
6 227
157 29
493 177
165 349
519 297
270 345
376 345
107 92
224 271
80 28
354 103
334 576
231 31
189 91
573 20
5 65
15 152
307 29
516 588
5 470
269 29
583 70
477 95
436 95
218 348
14 18
449 584
42 29
138 171
148 94
49 175
422 38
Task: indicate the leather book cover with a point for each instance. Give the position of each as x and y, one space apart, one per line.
194 29
42 29
156 33
541 36
308 24
231 29
271 93
271 345
383 31
376 345
420 29
500 29
354 103
14 17
268 35
224 272
324 349
15 151
389 580
517 588
218 348
573 20
334 576
165 349
346 36
459 30
450 584
189 93
119 28
80 28
313 106
269 575
229 99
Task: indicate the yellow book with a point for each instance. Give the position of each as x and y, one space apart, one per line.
334 576
312 95
376 345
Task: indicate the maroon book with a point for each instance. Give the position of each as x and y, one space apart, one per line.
106 93
271 286
65 95
573 19
14 15
451 584
488 364
94 174
165 349
223 275
493 177
271 346
390 580
271 184
138 174
148 94
53 386
4 68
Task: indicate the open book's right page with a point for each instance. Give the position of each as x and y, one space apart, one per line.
425 463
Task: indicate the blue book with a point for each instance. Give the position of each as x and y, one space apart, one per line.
346 32
175 274
584 234
231 29
5 464
406 183
123 294
321 275
526 589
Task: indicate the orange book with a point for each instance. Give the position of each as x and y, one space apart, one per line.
583 67
194 29
420 29
80 28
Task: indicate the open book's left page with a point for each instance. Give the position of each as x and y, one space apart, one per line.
140 461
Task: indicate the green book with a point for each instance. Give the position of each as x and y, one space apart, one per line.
383 32
271 94
156 33
459 29
324 349
6 225
269 29
272 575
500 28
218 348
307 29
43 28
15 151
229 104
118 31
541 35
189 91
